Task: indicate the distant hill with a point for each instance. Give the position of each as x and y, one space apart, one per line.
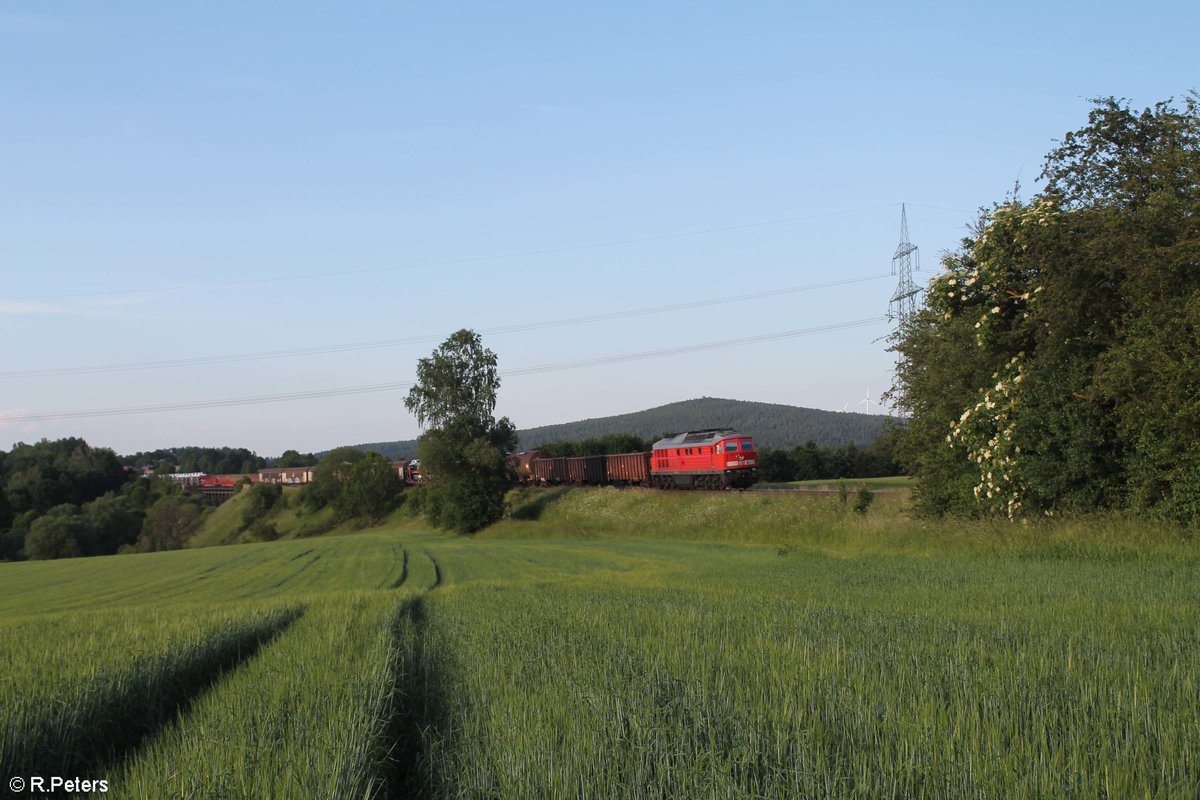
771 425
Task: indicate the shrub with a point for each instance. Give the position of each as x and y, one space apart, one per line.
863 500
260 499
169 523
62 532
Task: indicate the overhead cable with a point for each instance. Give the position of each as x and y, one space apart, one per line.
375 344
188 405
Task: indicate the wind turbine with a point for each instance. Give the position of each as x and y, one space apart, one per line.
844 407
867 400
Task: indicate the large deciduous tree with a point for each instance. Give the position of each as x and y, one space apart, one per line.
330 475
169 524
39 476
62 532
462 449
293 458
371 489
1056 365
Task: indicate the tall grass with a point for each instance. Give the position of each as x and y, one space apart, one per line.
808 676
79 691
591 651
185 578
827 523
308 718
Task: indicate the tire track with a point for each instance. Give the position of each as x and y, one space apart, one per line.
403 569
437 571
128 709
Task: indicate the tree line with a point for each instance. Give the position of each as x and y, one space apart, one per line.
214 460
1055 366
596 446
64 498
210 460
811 462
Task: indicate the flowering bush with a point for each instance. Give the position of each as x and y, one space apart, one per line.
1056 364
991 285
988 433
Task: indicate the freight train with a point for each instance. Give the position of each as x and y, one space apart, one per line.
714 458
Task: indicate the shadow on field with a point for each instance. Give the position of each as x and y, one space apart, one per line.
528 506
419 712
125 710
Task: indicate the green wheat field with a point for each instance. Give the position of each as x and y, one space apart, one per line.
790 648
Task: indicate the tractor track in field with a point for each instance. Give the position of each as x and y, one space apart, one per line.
419 708
403 569
303 567
437 571
110 729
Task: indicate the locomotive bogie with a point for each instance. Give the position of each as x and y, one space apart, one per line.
713 480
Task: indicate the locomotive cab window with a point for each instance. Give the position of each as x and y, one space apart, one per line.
731 447
747 445
717 449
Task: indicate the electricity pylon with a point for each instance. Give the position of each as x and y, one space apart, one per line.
904 300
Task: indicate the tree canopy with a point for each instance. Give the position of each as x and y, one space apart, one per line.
330 476
463 447
294 458
1056 365
213 460
371 489
456 385
596 445
64 498
37 477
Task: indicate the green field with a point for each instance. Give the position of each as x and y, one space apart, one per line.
714 646
895 482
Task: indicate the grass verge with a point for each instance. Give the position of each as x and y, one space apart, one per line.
825 523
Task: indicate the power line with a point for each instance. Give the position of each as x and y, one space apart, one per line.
389 387
454 261
376 344
692 348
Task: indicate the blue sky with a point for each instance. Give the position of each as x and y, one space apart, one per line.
194 182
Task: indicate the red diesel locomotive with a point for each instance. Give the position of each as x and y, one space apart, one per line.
716 458
708 459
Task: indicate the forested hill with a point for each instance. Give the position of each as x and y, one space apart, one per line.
771 424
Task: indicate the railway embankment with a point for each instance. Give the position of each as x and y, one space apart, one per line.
830 521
